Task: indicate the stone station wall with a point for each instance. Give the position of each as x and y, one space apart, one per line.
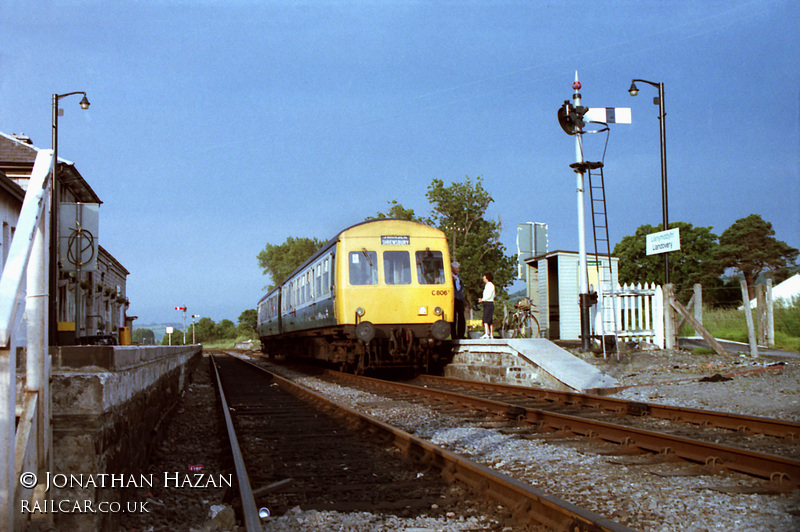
108 406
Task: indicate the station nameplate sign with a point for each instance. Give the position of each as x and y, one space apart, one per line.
663 242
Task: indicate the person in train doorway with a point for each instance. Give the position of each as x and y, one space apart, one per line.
488 304
459 326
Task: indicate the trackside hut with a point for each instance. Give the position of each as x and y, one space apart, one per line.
554 287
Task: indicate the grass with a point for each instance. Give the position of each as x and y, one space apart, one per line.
228 343
731 324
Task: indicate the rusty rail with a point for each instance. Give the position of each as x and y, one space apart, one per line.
723 420
782 471
249 511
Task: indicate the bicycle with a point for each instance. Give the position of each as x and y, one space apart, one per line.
522 323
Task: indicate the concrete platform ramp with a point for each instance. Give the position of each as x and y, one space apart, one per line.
535 362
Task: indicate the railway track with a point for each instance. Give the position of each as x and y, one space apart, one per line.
642 432
301 449
576 403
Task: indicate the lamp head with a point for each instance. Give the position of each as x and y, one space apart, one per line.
634 90
84 103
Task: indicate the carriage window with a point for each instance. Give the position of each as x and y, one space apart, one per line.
396 267
430 267
363 267
326 278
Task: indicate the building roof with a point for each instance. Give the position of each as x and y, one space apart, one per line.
783 293
589 255
17 155
108 256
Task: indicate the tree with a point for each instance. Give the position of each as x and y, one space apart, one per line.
689 265
280 261
225 329
459 211
177 338
248 322
750 246
204 330
144 336
397 211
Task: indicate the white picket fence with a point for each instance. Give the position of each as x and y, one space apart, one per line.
639 312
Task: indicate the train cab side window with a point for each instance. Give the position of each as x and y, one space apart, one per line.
396 267
363 267
430 267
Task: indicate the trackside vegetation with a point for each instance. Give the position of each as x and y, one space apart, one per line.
219 335
731 324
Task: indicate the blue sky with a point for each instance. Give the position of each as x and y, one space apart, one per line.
218 127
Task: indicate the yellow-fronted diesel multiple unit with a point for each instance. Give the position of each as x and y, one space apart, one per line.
380 293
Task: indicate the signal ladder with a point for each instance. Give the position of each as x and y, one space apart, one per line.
607 300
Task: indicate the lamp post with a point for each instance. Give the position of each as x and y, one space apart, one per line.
634 90
53 311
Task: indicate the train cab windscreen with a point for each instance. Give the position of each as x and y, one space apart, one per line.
363 267
397 267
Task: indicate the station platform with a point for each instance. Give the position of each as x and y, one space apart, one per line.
534 362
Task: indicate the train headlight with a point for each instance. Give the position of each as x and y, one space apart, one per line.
360 312
422 311
365 331
438 311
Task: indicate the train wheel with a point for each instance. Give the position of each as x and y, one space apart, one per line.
359 368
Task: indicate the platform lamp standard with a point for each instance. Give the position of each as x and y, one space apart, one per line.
659 100
53 311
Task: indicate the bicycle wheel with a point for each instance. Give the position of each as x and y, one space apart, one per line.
529 326
511 326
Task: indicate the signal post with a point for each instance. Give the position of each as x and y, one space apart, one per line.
571 118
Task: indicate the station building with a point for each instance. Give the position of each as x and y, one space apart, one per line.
91 291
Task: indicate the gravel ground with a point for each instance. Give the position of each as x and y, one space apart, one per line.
632 495
768 386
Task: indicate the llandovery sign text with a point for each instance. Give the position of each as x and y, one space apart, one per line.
663 242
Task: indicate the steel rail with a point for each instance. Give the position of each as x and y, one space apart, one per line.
252 522
780 470
528 503
753 424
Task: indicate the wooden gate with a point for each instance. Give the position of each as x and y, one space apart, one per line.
639 313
